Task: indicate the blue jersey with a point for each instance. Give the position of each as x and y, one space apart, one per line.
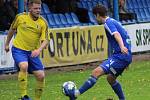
112 26
116 64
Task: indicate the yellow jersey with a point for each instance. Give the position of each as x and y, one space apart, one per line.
29 32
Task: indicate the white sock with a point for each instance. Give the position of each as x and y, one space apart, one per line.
77 93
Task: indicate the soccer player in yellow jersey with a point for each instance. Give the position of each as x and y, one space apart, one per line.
31 38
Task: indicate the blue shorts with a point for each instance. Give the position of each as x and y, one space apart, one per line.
114 65
34 63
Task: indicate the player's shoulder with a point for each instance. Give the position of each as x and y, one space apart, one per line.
43 19
21 14
110 20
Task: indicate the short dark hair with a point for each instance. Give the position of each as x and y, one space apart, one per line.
100 9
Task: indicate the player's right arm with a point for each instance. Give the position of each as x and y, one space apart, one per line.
114 32
11 32
119 40
9 37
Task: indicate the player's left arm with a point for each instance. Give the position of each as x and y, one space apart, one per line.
119 40
44 41
44 37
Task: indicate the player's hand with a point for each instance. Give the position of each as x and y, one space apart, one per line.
6 48
124 50
35 53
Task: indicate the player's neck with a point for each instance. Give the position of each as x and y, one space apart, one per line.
33 17
104 19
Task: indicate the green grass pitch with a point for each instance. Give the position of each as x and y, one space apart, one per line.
135 83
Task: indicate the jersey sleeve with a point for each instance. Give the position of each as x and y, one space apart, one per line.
44 35
110 26
15 22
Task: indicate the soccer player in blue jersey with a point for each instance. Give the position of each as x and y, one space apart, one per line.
116 63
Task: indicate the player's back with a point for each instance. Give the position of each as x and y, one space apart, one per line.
113 26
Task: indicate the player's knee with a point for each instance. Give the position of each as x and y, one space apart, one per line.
40 77
23 67
111 80
97 72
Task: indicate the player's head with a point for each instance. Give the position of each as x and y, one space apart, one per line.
35 8
100 13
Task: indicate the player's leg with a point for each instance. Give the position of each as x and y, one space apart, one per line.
116 86
89 83
21 61
40 78
96 73
36 67
22 78
116 68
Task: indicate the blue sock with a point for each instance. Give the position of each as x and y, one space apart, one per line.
118 90
88 84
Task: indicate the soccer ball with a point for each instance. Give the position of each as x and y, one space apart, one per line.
68 86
